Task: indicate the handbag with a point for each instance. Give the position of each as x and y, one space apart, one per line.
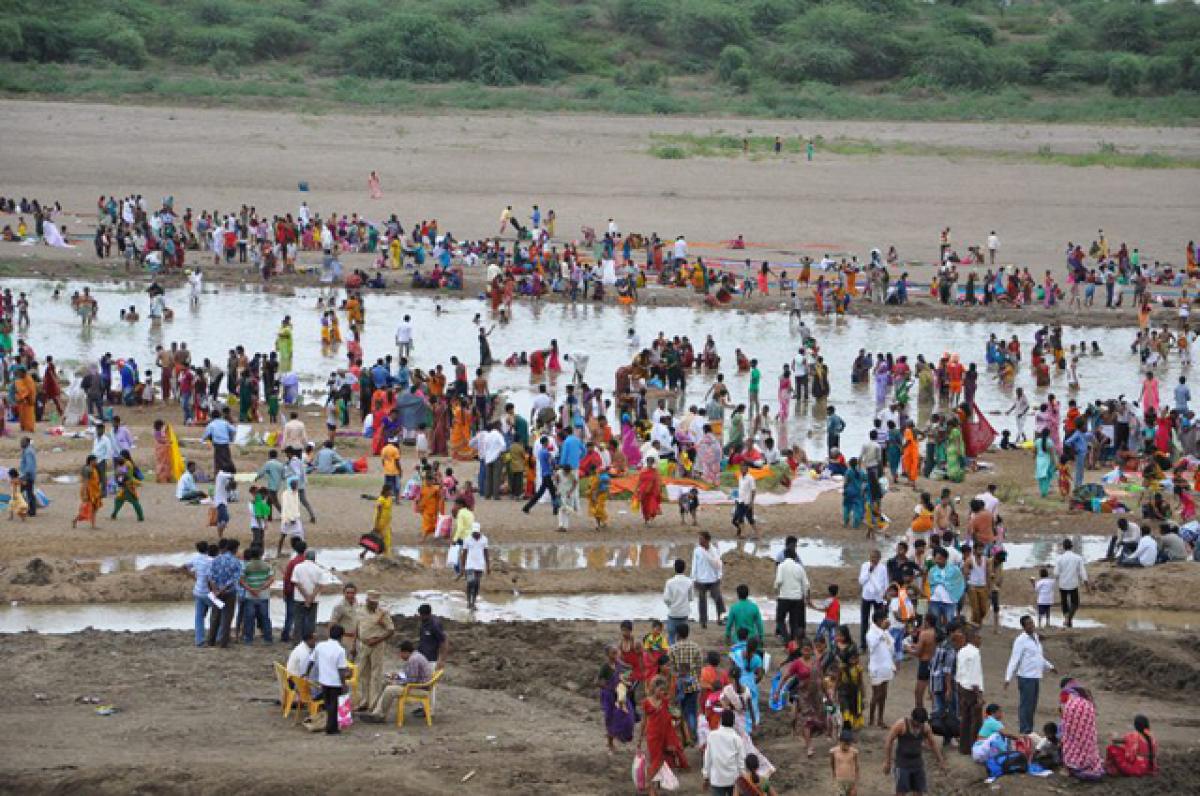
945 724
371 542
639 772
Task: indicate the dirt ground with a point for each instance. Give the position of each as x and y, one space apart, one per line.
518 714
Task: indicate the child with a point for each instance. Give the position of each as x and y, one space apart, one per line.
567 484
1047 752
833 614
257 523
843 762
1044 587
422 442
655 640
273 404
17 505
1006 440
1066 478
850 690
689 502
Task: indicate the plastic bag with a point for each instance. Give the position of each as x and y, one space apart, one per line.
345 714
639 772
444 527
666 779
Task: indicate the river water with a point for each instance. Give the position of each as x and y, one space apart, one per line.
247 315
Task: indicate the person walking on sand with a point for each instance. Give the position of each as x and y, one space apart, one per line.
91 497
902 756
706 574
474 561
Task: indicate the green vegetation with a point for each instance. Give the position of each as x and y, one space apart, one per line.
672 146
1058 60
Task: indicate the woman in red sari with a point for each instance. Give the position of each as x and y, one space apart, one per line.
440 432
51 387
1135 755
658 735
649 491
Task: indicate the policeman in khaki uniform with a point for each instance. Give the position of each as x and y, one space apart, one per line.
374 629
346 613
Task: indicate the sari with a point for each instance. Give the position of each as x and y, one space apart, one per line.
1135 755
662 742
90 499
708 458
649 493
283 347
460 434
739 704
597 495
620 714
629 445
429 505
1080 750
25 398
911 458
954 455
168 463
440 432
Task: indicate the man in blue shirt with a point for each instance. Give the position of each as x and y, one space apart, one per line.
1183 395
545 464
223 577
27 469
220 432
1078 442
571 452
199 566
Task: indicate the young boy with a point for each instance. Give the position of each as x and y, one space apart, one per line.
689 502
655 641
833 614
843 762
257 523
1044 587
422 442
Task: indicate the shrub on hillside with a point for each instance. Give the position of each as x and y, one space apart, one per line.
1125 74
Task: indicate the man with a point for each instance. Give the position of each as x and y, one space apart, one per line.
299 660
1079 442
755 382
871 457
791 590
1144 555
346 614
329 659
474 562
185 488
199 566
993 245
330 462
743 509
900 568
256 580
1070 571
873 578
404 337
431 637
687 661
977 569
1125 541
724 756
220 432
924 650
374 629
104 448
942 670
1029 664
294 435
289 590
906 738
1183 396
545 471
677 595
223 579
834 426
28 472
800 365
706 574
946 586
417 669
491 453
1020 409
744 614
306 585
969 679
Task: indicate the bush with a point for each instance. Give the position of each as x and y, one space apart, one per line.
44 39
875 53
278 37
403 46
1164 74
11 42
805 61
767 15
506 55
706 26
1123 26
643 17
731 59
960 23
225 64
960 63
125 46
1125 74
643 74
1082 66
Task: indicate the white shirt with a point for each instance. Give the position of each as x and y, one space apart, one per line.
874 582
791 580
1027 659
404 332
990 501
800 365
993 242
221 488
881 658
970 668
186 484
476 560
540 401
1070 570
706 565
298 661
1044 589
492 446
677 595
1147 551
747 487
662 435
723 757
306 575
1132 533
330 657
681 249
294 435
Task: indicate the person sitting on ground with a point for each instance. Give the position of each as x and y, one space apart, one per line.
330 462
1135 755
992 739
1144 555
185 488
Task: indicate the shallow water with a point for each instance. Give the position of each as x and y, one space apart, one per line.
246 315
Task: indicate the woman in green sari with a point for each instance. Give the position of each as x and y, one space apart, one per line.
283 345
955 452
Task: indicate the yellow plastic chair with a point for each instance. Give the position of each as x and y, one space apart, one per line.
304 697
422 694
352 682
287 696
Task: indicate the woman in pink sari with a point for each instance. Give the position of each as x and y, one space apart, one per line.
1150 392
373 186
708 456
1080 748
629 443
785 394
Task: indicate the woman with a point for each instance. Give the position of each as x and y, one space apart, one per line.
460 432
893 448
752 782
630 448
708 456
90 499
440 432
849 679
910 458
1045 467
616 699
168 463
283 344
955 452
649 491
374 188
808 716
658 735
429 504
1080 753
853 486
1135 755
736 698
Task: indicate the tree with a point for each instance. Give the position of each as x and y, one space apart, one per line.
1125 75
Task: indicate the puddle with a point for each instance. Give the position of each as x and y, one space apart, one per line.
551 556
250 317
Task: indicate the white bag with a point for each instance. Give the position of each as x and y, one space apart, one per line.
666 779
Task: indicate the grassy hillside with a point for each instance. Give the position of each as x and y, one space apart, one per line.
1070 60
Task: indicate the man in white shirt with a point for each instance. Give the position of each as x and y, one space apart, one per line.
990 501
881 666
185 488
473 563
873 578
404 337
294 435
743 510
329 658
677 595
706 574
104 448
306 580
1029 664
872 456
724 756
301 657
993 244
680 250
791 590
541 402
800 374
1070 571
491 451
1144 555
1125 541
968 677
612 228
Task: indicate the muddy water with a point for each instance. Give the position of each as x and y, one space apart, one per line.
248 316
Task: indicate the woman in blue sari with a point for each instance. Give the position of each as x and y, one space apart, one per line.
852 495
895 446
745 657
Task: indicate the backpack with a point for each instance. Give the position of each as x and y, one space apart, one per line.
945 724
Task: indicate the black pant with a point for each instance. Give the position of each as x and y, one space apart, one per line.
493 473
866 611
789 618
331 694
1070 603
305 621
702 592
222 459
547 485
27 490
801 388
220 620
1120 437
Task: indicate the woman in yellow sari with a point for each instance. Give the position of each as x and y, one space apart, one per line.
460 432
90 500
354 312
168 463
430 504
